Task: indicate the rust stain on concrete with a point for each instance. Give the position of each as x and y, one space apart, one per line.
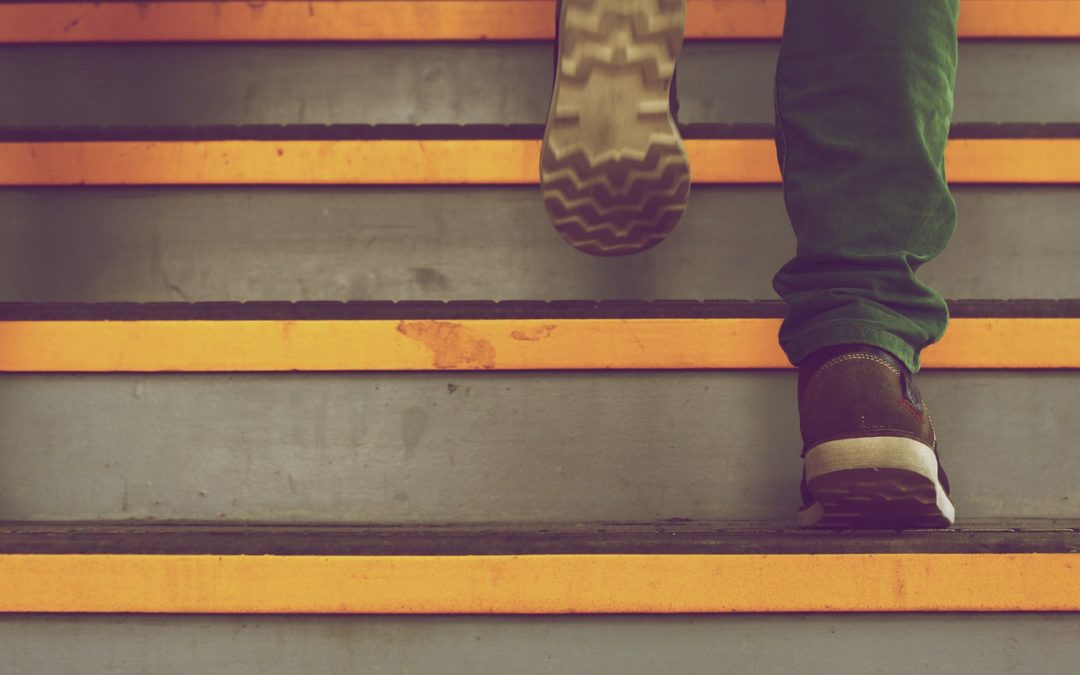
453 346
534 334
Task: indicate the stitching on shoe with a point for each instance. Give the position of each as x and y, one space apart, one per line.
933 432
861 356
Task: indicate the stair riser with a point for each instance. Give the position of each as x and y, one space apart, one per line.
627 644
499 447
448 83
142 245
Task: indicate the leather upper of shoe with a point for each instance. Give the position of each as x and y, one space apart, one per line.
856 391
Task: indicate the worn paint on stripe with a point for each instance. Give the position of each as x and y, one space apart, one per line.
478 345
454 162
545 584
378 20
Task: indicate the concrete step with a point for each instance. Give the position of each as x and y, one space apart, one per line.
465 243
850 575
440 83
705 568
673 536
816 644
490 447
561 569
494 448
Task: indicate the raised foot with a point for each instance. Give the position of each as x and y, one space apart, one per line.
614 174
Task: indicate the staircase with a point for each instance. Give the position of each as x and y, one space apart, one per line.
298 376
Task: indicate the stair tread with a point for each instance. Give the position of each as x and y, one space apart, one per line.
282 132
683 537
479 309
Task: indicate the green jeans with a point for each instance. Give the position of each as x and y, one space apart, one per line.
864 94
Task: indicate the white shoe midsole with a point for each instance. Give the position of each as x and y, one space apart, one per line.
875 453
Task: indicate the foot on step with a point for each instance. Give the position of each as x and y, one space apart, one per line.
870 451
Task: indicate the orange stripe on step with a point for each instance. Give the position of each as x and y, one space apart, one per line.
1019 19
540 584
418 20
278 21
453 162
477 345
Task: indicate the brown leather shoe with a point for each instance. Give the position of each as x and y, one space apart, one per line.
870 452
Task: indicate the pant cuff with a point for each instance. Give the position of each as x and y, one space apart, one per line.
801 346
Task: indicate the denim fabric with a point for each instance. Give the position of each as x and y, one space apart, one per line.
864 97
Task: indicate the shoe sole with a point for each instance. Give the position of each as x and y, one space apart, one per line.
613 170
875 483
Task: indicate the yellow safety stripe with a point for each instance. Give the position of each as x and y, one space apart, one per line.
416 20
454 162
478 345
540 584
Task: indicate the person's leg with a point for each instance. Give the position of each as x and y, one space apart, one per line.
863 104
864 94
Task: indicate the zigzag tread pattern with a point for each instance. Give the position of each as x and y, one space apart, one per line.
645 34
618 205
626 196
